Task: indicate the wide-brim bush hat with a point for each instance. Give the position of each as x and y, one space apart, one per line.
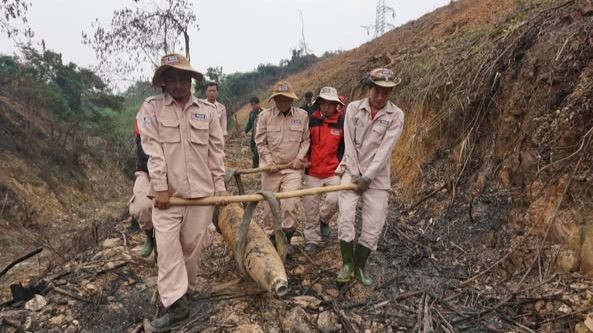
283 88
329 94
177 61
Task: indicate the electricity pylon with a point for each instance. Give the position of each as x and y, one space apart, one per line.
380 23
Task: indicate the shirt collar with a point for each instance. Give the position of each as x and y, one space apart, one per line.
169 99
365 105
277 112
333 119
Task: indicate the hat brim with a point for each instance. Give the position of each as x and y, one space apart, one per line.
329 98
285 94
386 84
157 79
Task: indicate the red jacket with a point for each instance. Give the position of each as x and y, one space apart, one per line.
327 144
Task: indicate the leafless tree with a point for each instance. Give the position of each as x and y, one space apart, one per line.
10 11
140 33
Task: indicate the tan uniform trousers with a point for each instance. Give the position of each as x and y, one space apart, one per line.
285 180
181 235
317 209
374 214
140 205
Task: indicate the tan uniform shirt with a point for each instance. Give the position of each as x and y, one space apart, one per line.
221 110
369 142
184 145
222 114
282 138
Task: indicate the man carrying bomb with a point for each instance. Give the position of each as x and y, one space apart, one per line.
184 141
326 125
282 136
372 127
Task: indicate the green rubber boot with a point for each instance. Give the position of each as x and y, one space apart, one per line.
176 315
149 244
361 254
345 275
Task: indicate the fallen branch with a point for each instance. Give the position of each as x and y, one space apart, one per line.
137 328
261 169
18 260
12 323
483 312
69 294
570 314
428 196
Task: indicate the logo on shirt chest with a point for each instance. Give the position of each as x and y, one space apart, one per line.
296 122
199 116
383 122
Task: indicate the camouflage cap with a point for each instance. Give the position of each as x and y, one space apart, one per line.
177 61
283 88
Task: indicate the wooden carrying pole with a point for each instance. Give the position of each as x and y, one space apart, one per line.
261 169
223 200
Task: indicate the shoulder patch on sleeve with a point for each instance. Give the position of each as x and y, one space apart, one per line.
146 121
154 98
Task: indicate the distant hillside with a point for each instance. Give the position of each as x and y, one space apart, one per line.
61 171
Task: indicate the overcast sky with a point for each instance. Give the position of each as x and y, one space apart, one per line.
237 35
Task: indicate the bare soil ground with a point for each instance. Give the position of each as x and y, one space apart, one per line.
432 273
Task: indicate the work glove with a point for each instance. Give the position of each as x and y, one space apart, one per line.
161 200
362 182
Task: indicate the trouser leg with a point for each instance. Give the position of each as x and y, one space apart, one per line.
347 211
329 205
195 237
311 207
140 205
172 273
254 155
291 181
374 214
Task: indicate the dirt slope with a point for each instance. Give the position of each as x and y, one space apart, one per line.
50 196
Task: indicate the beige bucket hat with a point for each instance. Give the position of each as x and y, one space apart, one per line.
177 61
329 94
283 88
384 77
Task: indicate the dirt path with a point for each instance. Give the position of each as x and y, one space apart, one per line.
447 273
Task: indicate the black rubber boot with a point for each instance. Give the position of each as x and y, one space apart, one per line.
361 254
149 244
176 315
347 250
